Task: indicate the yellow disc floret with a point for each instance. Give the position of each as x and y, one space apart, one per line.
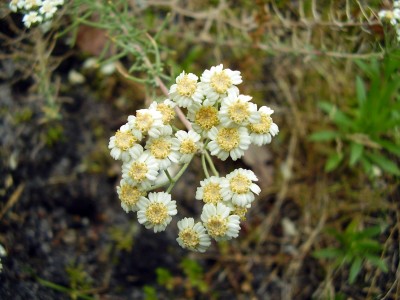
240 211
144 121
124 140
207 117
167 112
138 171
220 82
186 86
130 195
228 139
262 127
156 213
189 238
240 184
217 226
160 148
188 146
239 112
211 193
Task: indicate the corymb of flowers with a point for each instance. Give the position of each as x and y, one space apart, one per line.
220 122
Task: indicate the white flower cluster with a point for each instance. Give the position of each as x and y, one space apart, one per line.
35 11
223 123
393 16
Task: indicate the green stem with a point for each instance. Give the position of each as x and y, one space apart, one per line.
168 175
210 162
177 176
203 163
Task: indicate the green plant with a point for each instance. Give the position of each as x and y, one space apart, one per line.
355 247
150 293
195 275
368 130
164 278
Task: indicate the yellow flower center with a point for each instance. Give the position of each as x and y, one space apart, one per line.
156 213
220 82
32 3
228 138
217 226
240 184
240 211
138 171
168 113
124 140
160 148
207 117
238 112
211 193
262 127
130 194
186 86
144 121
189 237
188 146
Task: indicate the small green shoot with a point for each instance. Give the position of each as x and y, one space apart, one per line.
355 248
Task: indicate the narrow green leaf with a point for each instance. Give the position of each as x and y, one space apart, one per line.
395 149
377 262
327 253
326 106
333 162
355 269
323 136
384 163
361 92
356 151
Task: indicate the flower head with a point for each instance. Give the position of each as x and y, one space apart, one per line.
204 117
186 91
193 236
148 121
218 82
161 147
129 195
219 224
227 142
166 108
31 18
142 169
262 131
123 140
185 145
238 187
210 190
156 211
238 111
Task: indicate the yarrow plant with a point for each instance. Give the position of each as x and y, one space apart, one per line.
220 122
35 11
393 16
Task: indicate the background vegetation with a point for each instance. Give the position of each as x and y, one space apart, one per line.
326 225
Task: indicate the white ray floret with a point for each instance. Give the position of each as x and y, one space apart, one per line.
237 110
238 187
262 132
166 108
227 142
156 210
218 82
210 190
184 146
161 147
129 195
29 4
142 169
192 236
219 224
186 91
123 140
48 8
